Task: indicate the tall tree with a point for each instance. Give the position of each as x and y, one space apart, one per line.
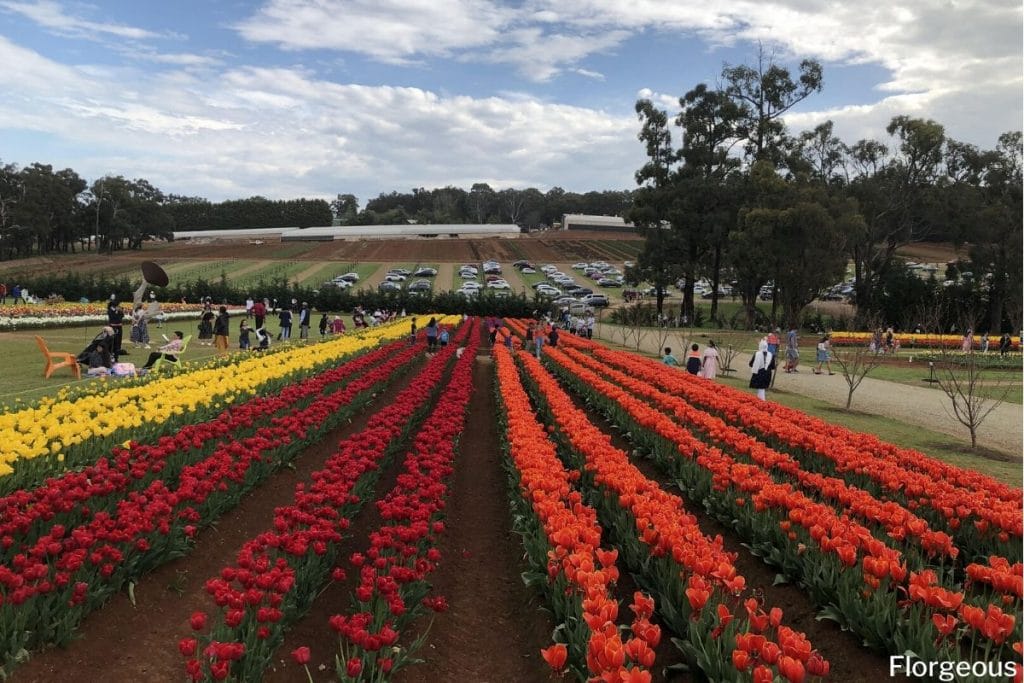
765 92
709 119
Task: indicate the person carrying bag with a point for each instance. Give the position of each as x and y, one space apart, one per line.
761 367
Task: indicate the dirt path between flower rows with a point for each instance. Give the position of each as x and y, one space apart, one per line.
928 408
492 630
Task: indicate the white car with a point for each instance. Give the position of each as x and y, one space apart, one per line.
579 266
472 285
548 269
499 284
466 275
528 271
351 277
394 277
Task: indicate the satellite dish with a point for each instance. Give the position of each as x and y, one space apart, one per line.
154 274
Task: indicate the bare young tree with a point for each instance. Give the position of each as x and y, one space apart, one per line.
855 364
963 377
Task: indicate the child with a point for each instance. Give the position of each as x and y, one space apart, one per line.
243 336
442 338
323 326
262 339
338 326
693 360
668 358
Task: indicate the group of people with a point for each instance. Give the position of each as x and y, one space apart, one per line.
703 364
18 294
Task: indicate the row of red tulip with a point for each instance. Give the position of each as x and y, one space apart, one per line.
566 545
805 538
72 569
899 524
392 589
67 499
279 572
949 498
656 531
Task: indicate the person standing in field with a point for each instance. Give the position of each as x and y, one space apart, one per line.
431 332
792 350
538 339
304 314
140 326
249 305
115 318
709 364
284 318
3 293
244 343
221 329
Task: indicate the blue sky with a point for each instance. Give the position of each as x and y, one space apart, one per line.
287 98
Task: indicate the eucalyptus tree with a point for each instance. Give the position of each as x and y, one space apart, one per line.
764 93
896 196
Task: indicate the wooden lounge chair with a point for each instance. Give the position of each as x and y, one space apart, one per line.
162 360
55 360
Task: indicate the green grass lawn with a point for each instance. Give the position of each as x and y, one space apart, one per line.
996 383
23 376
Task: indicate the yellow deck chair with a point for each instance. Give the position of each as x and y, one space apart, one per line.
162 360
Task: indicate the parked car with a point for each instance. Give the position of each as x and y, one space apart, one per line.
527 270
400 271
394 277
548 268
521 264
389 287
595 300
466 275
425 272
608 282
471 285
579 266
499 284
420 286
349 277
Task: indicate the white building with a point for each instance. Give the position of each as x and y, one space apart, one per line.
579 221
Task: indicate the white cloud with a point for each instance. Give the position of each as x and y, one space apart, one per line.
284 132
51 15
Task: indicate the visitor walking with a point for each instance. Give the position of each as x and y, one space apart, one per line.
431 332
793 350
693 360
761 366
709 365
259 313
824 354
249 305
206 328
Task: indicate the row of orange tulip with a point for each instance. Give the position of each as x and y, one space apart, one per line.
580 575
807 538
983 516
679 558
897 522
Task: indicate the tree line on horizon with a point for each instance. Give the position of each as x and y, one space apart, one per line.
741 201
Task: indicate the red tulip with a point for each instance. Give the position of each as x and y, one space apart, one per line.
301 655
555 656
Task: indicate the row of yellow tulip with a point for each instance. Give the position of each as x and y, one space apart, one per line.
49 428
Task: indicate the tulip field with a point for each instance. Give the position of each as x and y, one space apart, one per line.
361 509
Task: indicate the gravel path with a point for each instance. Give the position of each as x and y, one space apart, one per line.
928 408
